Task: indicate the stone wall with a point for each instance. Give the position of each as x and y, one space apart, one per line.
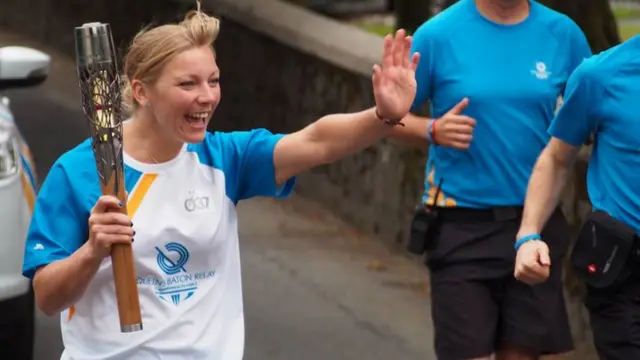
282 68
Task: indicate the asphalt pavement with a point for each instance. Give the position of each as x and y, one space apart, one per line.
314 288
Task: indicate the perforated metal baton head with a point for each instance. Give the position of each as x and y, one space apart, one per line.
99 83
98 74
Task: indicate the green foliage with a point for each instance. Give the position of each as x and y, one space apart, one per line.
378 29
626 13
627 31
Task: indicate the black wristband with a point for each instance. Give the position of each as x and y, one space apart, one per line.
389 121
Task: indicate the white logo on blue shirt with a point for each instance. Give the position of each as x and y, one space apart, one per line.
541 71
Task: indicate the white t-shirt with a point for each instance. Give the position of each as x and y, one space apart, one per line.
186 249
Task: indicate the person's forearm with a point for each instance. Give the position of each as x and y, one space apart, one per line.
414 132
543 193
341 135
58 285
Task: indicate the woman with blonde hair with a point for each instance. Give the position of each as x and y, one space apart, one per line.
183 184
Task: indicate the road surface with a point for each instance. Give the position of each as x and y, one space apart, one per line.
314 288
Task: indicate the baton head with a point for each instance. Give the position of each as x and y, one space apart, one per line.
98 77
100 91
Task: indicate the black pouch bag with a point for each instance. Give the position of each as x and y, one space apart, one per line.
424 226
605 252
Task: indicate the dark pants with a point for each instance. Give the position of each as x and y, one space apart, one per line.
477 304
615 320
17 327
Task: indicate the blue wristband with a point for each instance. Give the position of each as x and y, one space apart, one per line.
429 130
526 238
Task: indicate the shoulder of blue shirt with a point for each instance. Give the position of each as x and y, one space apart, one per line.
229 152
600 68
76 159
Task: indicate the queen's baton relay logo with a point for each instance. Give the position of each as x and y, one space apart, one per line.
179 284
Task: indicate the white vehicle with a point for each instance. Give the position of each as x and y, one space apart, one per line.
19 67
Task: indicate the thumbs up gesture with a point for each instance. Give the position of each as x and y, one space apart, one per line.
454 129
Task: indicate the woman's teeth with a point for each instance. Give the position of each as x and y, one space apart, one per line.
197 117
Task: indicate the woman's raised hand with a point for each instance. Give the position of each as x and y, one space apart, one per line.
394 82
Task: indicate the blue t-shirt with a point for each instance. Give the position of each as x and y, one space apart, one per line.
602 99
513 76
224 168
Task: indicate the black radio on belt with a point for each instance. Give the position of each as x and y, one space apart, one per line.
424 227
606 251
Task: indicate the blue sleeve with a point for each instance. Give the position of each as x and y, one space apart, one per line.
423 43
578 45
249 168
577 117
58 224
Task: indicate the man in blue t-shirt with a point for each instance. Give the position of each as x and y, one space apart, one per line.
601 100
492 72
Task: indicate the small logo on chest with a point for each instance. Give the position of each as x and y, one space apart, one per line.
194 202
541 71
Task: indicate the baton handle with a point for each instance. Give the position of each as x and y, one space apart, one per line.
124 272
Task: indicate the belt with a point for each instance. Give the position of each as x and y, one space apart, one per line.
495 214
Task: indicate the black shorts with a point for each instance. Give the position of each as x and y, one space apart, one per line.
477 304
615 320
